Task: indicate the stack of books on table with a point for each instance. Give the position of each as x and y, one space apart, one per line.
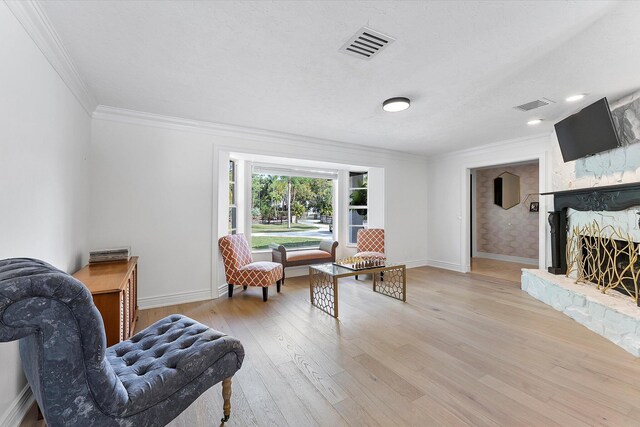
109 255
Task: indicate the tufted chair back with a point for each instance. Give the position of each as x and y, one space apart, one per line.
236 253
62 339
371 240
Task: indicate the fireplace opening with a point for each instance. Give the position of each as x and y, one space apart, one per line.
609 263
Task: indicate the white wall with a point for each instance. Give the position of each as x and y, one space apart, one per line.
151 189
44 147
375 198
448 196
154 187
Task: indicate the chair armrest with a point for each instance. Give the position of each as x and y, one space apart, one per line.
278 253
329 246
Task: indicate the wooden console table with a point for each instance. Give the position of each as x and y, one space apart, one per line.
114 287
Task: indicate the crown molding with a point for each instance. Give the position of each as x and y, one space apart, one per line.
37 25
491 146
103 112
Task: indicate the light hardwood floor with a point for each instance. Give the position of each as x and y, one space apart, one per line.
463 350
499 269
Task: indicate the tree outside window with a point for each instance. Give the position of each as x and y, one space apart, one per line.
292 211
358 204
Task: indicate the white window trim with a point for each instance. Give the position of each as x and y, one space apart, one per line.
349 244
234 186
293 171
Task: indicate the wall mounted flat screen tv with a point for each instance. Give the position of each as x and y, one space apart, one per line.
587 132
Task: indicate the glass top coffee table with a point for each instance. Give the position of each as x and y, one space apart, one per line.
390 280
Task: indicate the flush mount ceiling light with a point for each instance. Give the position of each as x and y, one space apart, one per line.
393 105
574 98
534 122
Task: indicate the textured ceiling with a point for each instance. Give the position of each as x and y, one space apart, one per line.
276 65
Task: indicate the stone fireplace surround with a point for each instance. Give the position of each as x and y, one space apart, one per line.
612 315
609 198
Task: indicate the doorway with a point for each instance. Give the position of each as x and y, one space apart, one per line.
504 226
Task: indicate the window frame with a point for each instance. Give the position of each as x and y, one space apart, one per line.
233 197
350 208
294 172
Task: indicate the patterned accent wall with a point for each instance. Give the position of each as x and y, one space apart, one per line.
512 232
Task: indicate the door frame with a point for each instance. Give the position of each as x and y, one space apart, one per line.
465 223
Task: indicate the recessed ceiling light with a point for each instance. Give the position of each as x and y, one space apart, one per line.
393 105
574 98
534 122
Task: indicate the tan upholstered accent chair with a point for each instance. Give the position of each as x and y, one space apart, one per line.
240 269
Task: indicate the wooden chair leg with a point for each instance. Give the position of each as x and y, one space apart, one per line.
230 290
265 293
283 276
278 284
245 287
356 277
226 396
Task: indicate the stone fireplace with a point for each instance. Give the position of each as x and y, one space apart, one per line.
600 227
614 198
594 240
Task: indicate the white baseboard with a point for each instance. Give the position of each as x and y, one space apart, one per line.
416 263
446 265
172 299
18 409
303 270
222 290
509 258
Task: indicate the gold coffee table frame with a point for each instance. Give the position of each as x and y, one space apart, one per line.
323 283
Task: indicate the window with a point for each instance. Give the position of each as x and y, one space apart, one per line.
289 210
233 209
358 206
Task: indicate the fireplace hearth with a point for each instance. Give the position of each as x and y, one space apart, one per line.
612 315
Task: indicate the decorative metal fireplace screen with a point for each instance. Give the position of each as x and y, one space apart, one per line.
604 256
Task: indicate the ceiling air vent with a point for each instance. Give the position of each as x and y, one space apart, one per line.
366 43
534 104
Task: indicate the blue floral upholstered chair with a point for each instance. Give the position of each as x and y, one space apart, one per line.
78 381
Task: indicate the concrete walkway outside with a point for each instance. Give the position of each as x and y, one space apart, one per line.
322 232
